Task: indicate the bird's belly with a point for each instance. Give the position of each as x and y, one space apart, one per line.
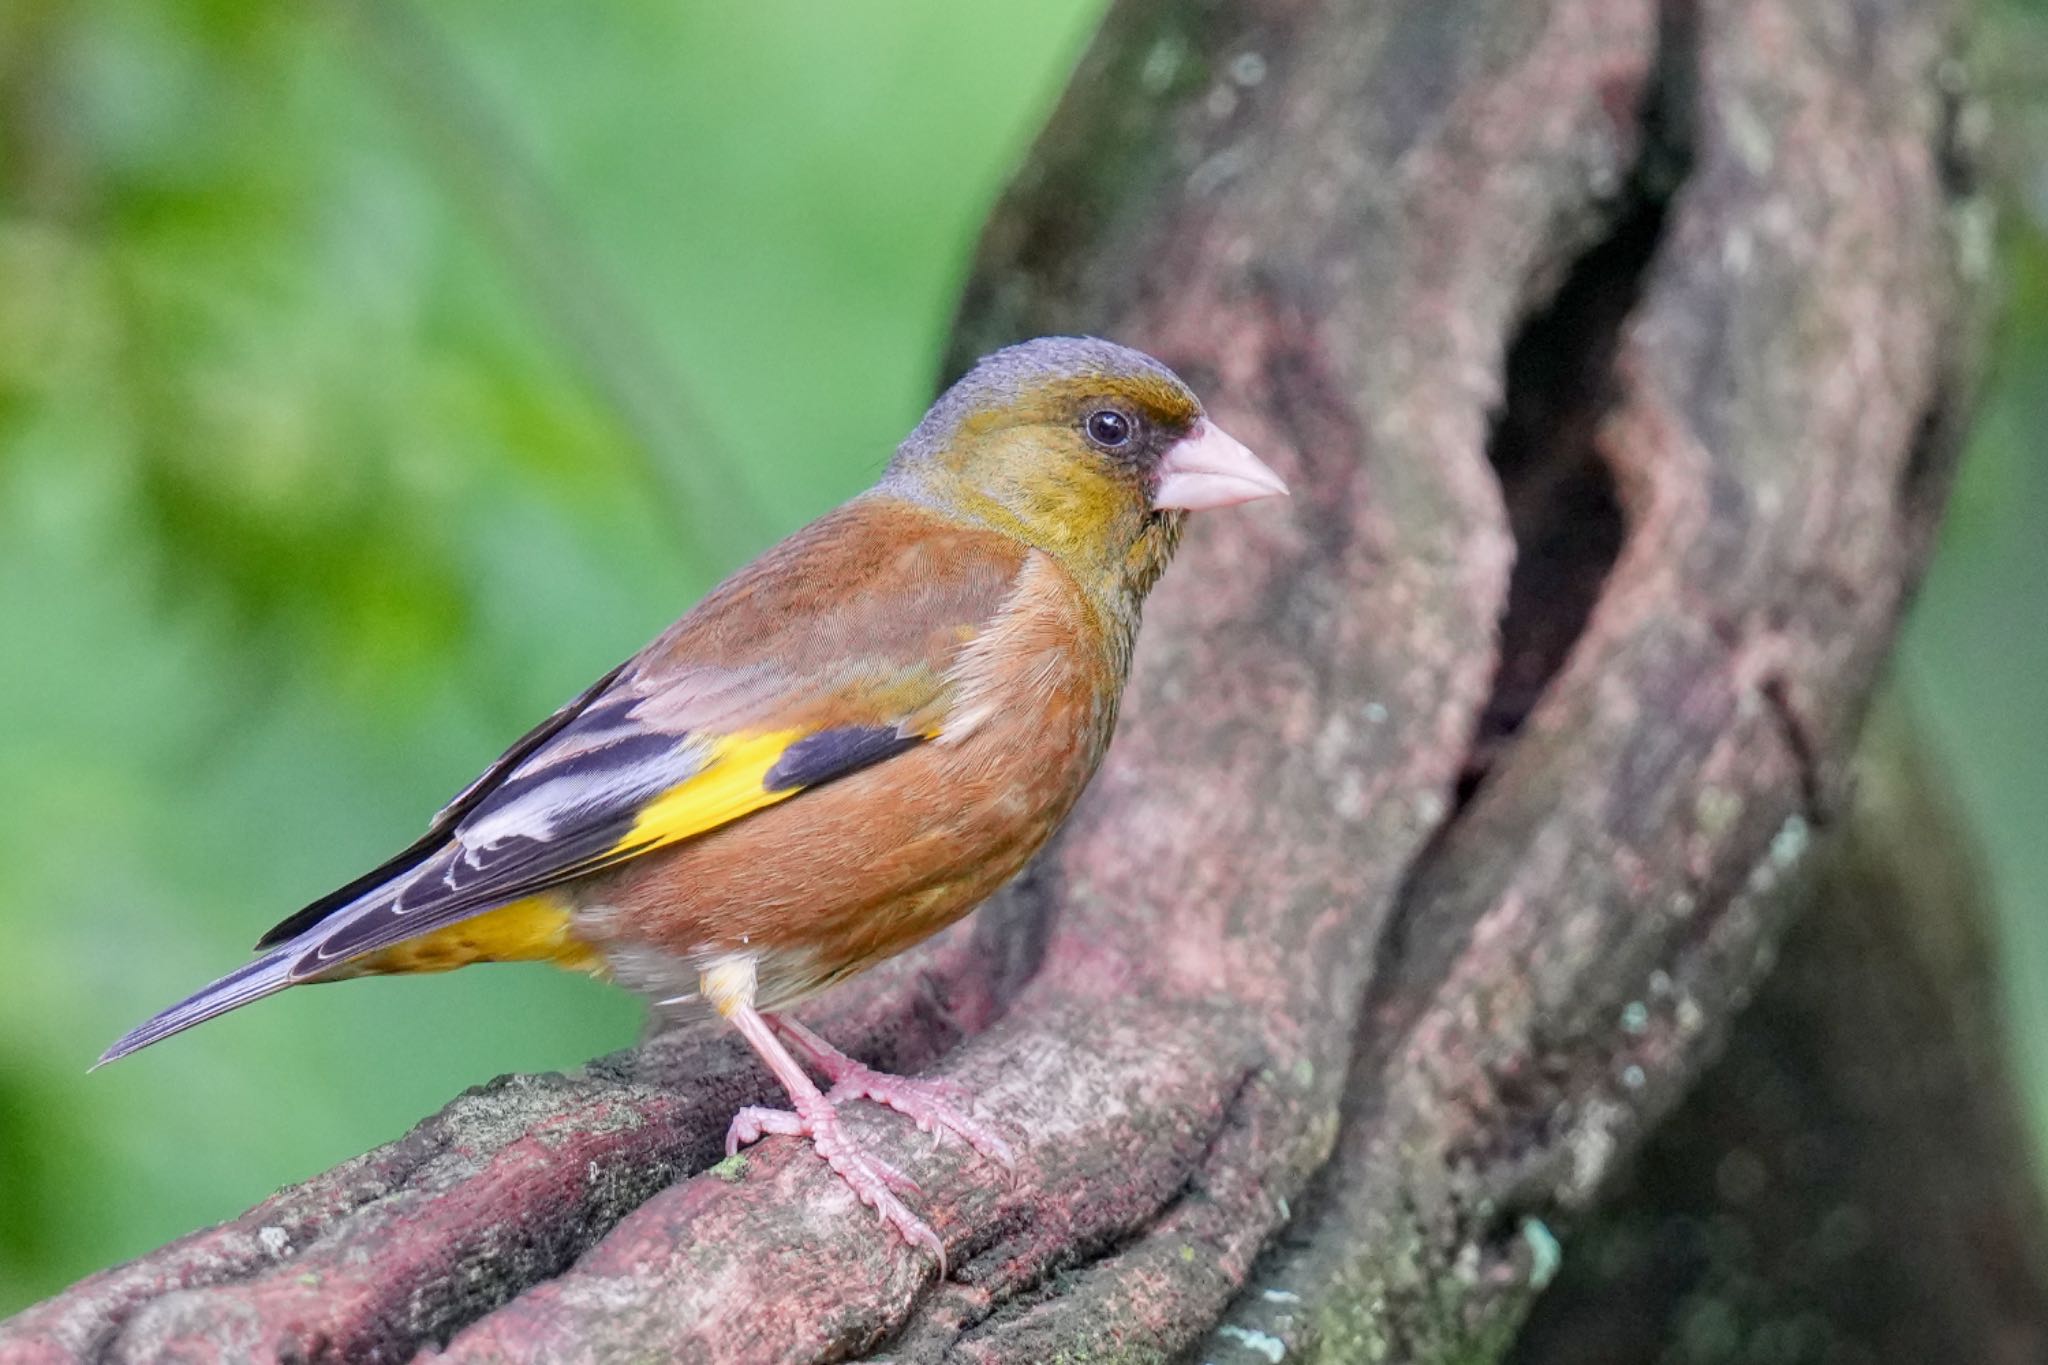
816 889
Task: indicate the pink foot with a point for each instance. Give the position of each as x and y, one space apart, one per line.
931 1105
873 1181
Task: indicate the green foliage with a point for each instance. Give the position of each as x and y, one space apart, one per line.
371 378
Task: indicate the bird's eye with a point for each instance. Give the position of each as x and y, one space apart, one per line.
1108 428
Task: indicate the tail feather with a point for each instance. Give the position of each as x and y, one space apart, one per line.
266 975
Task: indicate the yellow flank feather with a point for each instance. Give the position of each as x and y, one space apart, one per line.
535 929
538 928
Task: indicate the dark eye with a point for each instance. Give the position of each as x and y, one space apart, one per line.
1108 428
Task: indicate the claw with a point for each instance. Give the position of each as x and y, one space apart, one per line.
750 1123
931 1105
874 1182
893 1176
934 1105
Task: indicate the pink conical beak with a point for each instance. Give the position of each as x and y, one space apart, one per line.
1208 468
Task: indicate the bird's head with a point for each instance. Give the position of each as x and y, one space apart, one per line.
1082 448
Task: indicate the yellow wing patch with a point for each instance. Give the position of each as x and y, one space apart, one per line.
733 783
539 928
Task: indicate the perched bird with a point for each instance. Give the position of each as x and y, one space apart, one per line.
847 746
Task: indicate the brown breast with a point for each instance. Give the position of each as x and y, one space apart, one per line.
853 872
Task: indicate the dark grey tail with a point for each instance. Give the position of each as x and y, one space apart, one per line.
267 975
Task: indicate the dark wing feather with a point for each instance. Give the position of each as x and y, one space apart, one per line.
528 835
832 754
444 820
460 881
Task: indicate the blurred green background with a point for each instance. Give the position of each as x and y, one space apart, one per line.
370 382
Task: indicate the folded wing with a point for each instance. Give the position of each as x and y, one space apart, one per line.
828 655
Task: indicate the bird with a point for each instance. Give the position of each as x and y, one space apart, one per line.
846 746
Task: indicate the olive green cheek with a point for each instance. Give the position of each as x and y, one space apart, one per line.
1059 492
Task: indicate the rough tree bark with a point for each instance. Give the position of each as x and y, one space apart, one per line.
1852 1182
1613 349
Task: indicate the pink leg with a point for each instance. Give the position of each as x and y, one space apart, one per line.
873 1180
931 1105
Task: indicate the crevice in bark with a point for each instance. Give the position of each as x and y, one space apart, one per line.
1560 497
1924 481
1799 741
1569 529
1559 494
